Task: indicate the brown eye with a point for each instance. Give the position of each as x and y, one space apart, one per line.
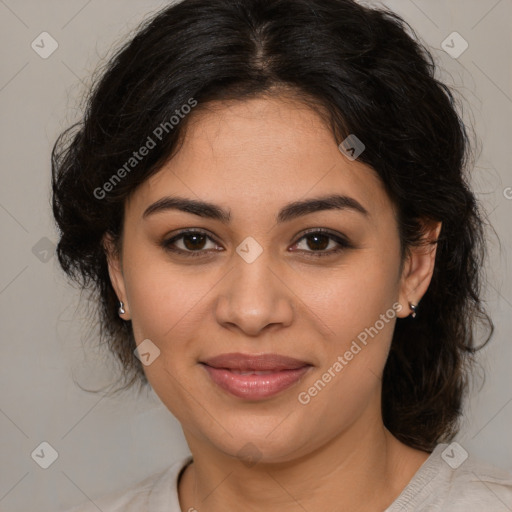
321 243
194 241
317 242
190 243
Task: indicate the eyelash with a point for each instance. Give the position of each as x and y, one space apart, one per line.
343 243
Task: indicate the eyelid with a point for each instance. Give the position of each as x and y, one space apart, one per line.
167 242
340 239
325 231
186 231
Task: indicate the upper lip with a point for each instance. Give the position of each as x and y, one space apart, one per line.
262 362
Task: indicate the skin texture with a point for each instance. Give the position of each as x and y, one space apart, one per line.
252 158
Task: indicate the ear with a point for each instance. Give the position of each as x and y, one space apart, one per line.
418 269
115 272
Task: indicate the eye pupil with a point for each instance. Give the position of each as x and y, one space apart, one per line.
320 242
197 241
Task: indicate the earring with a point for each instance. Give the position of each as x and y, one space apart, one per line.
413 307
121 310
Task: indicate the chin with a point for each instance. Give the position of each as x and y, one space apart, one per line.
251 443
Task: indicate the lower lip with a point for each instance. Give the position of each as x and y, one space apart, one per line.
255 387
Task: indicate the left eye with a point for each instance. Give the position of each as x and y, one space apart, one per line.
321 243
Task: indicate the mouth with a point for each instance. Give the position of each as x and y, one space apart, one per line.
255 377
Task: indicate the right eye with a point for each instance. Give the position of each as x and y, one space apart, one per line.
190 243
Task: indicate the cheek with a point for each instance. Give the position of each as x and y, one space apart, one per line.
351 297
166 306
360 315
172 307
357 306
162 296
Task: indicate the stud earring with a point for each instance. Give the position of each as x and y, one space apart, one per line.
413 307
121 310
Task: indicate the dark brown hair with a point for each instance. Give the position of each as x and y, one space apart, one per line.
370 76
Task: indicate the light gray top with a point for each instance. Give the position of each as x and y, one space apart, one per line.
448 481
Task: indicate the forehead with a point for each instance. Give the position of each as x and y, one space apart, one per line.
260 153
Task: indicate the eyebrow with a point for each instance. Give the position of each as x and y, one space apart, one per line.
289 212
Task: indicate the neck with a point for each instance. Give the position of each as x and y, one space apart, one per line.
360 470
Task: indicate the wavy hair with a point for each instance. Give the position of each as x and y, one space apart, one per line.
367 73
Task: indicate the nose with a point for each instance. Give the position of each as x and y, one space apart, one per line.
254 297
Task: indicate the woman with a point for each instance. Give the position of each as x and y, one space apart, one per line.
269 199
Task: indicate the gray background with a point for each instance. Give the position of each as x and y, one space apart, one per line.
46 340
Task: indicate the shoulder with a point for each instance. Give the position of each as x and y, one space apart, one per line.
451 480
484 486
159 487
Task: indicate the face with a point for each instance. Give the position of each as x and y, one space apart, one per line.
258 274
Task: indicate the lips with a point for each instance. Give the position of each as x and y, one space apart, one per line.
255 377
248 362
